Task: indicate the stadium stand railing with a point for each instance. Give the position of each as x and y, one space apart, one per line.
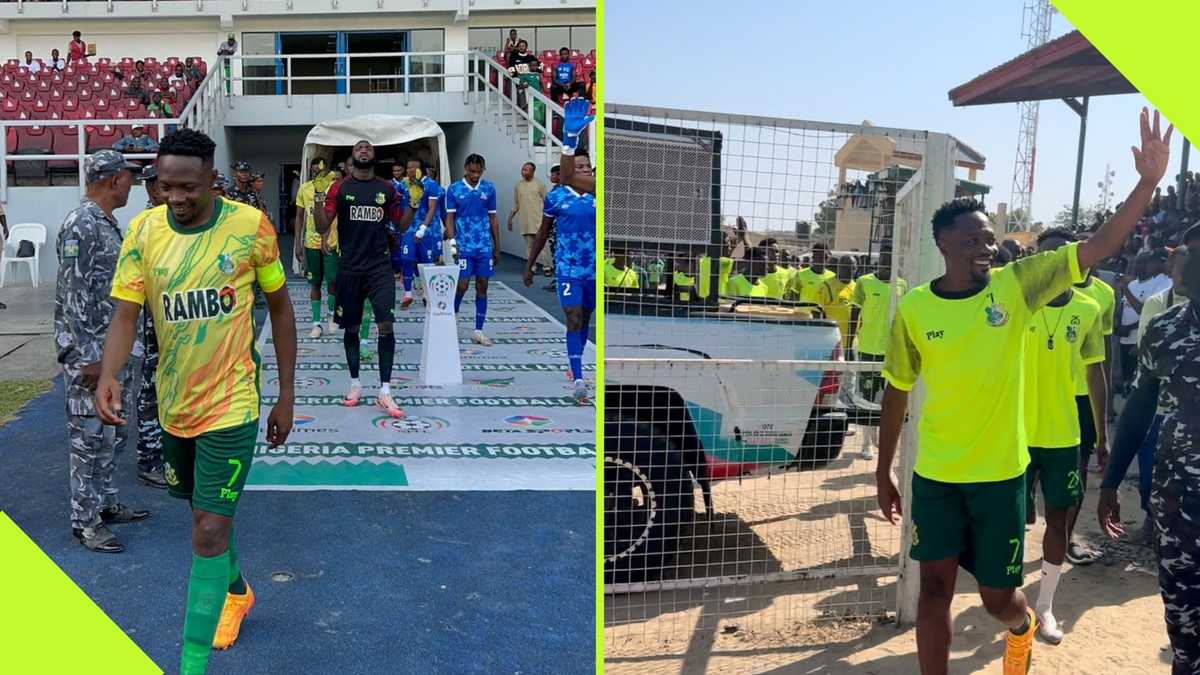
47 124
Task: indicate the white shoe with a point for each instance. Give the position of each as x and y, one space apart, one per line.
315 332
481 339
1048 628
333 327
581 392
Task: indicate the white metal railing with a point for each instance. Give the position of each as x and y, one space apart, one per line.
81 143
215 93
473 70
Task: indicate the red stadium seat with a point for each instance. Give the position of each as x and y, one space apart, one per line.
56 78
103 61
43 86
23 72
28 95
97 85
41 105
107 78
127 61
70 106
11 106
70 86
101 137
101 105
84 94
10 139
549 54
68 72
64 142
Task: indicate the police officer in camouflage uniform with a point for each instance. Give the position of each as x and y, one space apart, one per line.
149 446
88 246
1169 375
242 189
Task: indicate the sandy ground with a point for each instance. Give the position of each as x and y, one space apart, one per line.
825 520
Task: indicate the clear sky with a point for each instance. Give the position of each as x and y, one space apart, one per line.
851 61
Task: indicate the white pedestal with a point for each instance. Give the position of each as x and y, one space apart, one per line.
440 361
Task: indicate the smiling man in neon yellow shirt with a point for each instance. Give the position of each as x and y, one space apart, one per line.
968 487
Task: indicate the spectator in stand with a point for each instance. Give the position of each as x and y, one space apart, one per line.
178 76
159 107
135 90
76 48
56 62
589 91
192 71
136 141
139 69
564 76
510 47
227 49
1149 268
32 65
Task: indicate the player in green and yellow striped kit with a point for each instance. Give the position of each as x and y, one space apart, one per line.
193 263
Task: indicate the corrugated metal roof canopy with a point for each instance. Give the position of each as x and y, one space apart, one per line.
1066 67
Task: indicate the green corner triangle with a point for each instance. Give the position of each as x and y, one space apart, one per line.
49 625
1152 43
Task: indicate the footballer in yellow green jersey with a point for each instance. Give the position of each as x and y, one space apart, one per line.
963 336
1064 337
872 302
320 253
193 263
835 297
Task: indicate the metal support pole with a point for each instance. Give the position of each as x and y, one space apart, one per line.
1080 109
1181 189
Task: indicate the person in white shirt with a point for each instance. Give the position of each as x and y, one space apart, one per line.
32 65
177 76
56 62
1151 279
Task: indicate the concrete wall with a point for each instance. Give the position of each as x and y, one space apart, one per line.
504 157
255 110
49 206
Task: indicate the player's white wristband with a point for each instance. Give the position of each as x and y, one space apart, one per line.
569 151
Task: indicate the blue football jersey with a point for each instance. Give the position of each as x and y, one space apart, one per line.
575 224
564 73
430 190
471 207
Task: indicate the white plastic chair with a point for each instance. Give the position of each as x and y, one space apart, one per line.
34 232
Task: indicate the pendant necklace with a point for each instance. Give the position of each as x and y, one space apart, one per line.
1050 339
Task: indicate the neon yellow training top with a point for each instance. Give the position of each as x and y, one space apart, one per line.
1060 342
835 302
1106 297
871 297
807 284
969 352
304 200
198 283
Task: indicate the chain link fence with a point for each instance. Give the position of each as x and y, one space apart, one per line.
751 270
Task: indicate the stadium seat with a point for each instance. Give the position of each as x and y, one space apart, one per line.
97 84
40 105
100 105
101 137
103 61
11 106
43 86
70 86
84 93
28 95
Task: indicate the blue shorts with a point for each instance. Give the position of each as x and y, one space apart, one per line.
577 293
475 265
408 246
429 248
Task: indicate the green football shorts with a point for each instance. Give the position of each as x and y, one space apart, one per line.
981 524
210 470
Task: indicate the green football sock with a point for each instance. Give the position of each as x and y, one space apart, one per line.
205 600
332 302
315 305
364 331
237 585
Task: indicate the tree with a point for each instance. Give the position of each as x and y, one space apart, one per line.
826 217
1087 214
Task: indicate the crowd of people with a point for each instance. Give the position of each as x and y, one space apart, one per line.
196 411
